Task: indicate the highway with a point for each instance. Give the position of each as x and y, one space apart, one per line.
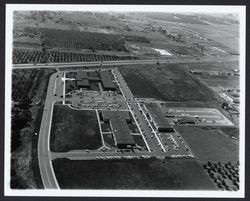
122 62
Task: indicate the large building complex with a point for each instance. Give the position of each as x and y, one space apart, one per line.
84 78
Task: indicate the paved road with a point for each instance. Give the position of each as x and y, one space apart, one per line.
83 155
122 62
46 169
140 119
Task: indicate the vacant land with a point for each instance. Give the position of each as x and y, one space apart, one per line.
225 78
166 82
131 174
231 131
74 129
215 145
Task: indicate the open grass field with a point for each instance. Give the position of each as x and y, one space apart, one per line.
215 145
167 82
131 174
231 131
137 83
74 129
216 66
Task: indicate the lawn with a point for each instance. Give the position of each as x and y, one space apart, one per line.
169 82
70 86
74 129
139 141
209 143
109 140
149 174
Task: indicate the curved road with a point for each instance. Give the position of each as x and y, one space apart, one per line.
44 158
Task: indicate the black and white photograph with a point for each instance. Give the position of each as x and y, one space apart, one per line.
127 100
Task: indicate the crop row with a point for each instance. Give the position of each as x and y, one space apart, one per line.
27 44
86 40
38 56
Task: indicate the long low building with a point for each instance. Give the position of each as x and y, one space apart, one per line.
107 80
118 123
83 83
158 117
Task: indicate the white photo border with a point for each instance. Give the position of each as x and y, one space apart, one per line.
10 8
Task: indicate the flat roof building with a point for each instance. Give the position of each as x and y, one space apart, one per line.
107 80
118 123
83 83
158 117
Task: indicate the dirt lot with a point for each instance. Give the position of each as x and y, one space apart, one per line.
216 146
167 82
131 174
74 129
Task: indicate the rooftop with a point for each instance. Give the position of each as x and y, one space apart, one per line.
84 82
119 126
106 78
157 115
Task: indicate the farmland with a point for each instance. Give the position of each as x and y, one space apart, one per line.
224 175
165 82
39 56
71 39
74 129
131 174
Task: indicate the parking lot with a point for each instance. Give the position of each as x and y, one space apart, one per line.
196 117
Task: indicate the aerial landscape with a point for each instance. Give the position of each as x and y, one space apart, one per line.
125 101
